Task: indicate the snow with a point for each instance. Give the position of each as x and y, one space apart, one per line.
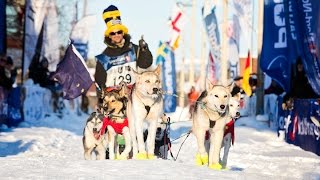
51 148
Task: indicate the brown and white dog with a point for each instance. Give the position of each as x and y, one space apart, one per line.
211 113
116 121
94 137
145 105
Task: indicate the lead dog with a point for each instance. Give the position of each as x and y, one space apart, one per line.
94 138
145 105
211 114
116 121
234 113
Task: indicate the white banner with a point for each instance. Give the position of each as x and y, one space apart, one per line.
35 14
50 47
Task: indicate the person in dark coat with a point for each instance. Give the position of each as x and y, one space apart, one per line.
301 87
40 74
121 57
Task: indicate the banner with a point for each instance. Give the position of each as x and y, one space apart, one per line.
211 27
275 60
3 28
35 15
50 47
301 131
307 23
169 80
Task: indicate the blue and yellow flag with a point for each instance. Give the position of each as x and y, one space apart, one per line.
162 52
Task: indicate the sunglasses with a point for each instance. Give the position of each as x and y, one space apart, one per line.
114 33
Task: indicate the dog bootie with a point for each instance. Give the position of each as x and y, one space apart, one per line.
215 166
141 156
151 156
201 159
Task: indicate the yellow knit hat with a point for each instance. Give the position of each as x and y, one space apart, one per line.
111 16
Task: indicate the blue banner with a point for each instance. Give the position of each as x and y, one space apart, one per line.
169 81
3 28
308 20
82 49
296 24
275 60
301 130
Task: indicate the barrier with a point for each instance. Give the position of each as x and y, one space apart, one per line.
300 129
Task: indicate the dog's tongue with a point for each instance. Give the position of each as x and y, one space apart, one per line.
96 134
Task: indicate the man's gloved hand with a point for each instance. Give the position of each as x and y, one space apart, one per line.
142 44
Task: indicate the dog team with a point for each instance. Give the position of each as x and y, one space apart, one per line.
130 96
124 112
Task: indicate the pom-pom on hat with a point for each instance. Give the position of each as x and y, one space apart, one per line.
112 18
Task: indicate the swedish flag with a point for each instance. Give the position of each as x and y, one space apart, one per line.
162 52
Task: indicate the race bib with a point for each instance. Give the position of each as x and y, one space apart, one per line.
119 73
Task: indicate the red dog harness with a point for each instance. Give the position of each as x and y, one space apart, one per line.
230 129
118 127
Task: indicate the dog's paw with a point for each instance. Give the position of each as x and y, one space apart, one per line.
151 156
141 156
215 166
201 159
121 157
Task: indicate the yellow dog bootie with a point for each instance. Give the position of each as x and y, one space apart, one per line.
215 166
201 159
141 156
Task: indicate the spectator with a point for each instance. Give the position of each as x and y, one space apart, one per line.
39 73
237 86
253 82
6 79
301 87
192 98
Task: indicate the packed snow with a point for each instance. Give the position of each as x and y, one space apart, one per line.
51 148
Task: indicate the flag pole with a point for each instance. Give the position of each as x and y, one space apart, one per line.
203 61
260 86
191 64
181 75
224 50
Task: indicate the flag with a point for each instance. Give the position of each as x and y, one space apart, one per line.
246 75
177 22
72 74
162 52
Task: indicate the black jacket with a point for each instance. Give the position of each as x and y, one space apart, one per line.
143 61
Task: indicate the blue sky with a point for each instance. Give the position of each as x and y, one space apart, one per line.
150 18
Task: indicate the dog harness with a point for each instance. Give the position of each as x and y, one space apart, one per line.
230 129
118 127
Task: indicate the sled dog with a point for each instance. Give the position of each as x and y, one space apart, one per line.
145 105
234 113
94 138
211 113
116 121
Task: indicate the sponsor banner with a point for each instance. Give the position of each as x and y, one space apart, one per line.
169 82
3 27
300 129
212 30
35 15
275 60
11 106
307 24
